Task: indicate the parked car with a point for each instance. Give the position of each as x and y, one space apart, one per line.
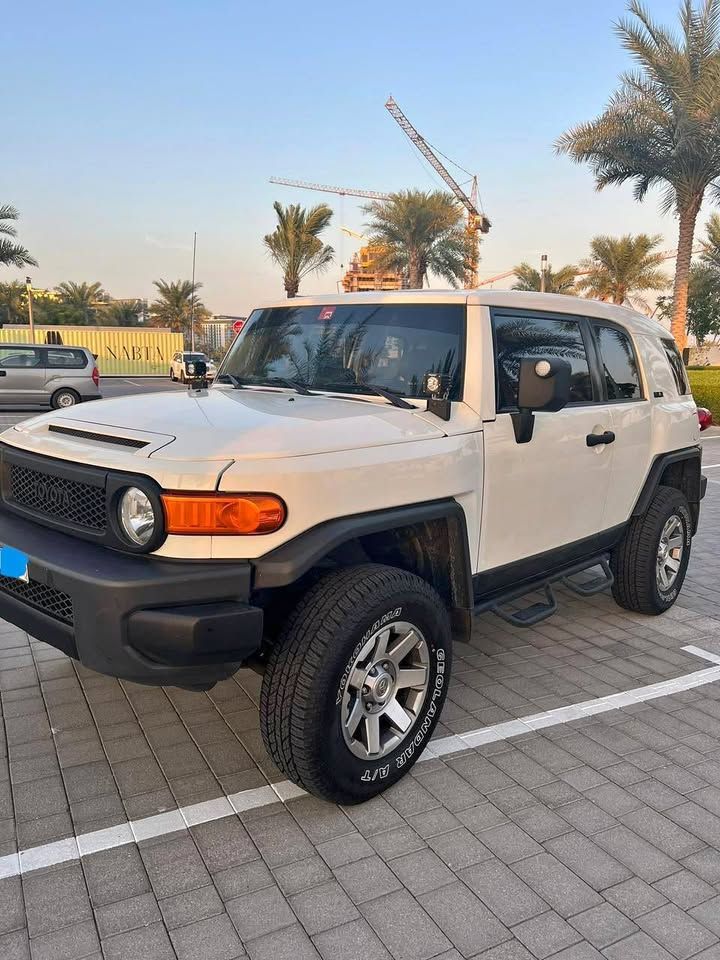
179 365
366 473
705 417
42 375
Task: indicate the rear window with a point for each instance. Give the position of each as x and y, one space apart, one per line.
341 347
69 359
676 365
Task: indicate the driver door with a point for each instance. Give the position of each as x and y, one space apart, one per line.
22 375
548 494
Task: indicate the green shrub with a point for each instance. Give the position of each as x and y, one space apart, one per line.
705 385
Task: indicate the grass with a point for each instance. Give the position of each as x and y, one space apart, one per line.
705 385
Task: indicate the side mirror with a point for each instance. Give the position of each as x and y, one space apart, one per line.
543 385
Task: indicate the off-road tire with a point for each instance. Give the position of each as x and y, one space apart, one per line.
64 392
307 670
634 560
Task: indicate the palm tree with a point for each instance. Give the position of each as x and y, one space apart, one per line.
619 268
177 301
711 245
13 307
295 244
11 253
420 232
662 126
123 313
83 298
556 281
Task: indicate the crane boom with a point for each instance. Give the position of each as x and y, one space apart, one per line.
483 224
324 188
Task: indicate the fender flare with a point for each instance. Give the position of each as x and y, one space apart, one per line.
290 561
695 489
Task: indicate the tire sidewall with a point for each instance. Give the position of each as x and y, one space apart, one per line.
664 599
56 399
354 778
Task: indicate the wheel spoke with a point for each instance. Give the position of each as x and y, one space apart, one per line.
356 679
672 564
381 645
414 677
398 716
403 647
676 543
356 715
372 733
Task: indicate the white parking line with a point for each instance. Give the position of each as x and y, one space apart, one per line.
133 831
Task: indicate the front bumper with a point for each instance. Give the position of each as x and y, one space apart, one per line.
134 617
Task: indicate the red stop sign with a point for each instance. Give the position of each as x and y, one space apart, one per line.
238 325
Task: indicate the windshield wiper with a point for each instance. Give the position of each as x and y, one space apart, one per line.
239 384
388 395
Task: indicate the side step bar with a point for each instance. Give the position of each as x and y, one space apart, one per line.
536 612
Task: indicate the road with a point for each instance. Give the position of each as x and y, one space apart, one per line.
110 387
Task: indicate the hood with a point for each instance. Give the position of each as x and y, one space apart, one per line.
222 424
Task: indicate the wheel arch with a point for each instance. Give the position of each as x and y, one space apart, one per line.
429 539
680 469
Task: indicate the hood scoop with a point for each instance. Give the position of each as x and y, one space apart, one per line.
99 437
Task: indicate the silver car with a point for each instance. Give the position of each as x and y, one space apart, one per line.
60 377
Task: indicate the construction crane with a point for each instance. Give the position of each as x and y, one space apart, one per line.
477 222
354 233
324 188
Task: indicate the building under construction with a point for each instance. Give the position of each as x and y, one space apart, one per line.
364 273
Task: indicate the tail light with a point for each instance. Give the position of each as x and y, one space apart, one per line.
96 376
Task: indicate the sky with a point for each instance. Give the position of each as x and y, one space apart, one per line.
131 125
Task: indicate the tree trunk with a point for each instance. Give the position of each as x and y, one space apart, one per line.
678 326
415 271
292 285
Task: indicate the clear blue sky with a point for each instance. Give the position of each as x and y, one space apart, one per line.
129 125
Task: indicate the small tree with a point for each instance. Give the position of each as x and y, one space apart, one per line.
13 302
83 301
620 268
556 281
703 315
295 243
177 301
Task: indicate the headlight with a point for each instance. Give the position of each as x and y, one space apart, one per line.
136 516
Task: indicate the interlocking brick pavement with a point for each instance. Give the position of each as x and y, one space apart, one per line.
595 838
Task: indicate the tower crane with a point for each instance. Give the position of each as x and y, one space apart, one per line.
324 188
477 222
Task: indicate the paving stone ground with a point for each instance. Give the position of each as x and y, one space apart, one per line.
597 838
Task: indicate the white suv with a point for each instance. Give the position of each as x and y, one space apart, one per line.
366 473
180 369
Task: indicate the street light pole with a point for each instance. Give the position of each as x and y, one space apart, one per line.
28 288
543 272
192 301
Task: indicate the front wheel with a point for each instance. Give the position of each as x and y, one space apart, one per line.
650 562
355 684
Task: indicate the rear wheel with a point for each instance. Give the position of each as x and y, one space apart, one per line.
64 398
650 563
356 682
172 375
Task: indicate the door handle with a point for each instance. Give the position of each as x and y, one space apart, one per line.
595 439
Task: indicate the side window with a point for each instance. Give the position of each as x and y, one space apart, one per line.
676 365
619 363
19 357
519 335
69 359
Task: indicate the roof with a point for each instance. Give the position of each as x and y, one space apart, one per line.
545 302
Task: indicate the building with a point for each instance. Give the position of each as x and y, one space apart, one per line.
218 331
364 274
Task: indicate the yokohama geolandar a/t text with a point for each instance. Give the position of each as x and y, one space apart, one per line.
365 473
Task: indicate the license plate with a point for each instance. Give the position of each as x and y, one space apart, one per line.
13 563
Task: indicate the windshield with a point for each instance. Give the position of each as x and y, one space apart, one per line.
194 356
340 348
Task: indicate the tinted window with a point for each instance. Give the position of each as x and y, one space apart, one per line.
70 359
340 348
19 357
676 365
520 335
619 365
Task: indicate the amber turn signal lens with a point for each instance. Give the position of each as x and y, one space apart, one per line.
218 514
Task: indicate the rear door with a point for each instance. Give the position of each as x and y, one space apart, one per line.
22 375
549 493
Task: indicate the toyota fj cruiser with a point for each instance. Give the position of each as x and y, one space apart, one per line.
366 473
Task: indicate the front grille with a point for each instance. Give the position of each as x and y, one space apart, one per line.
53 602
58 498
